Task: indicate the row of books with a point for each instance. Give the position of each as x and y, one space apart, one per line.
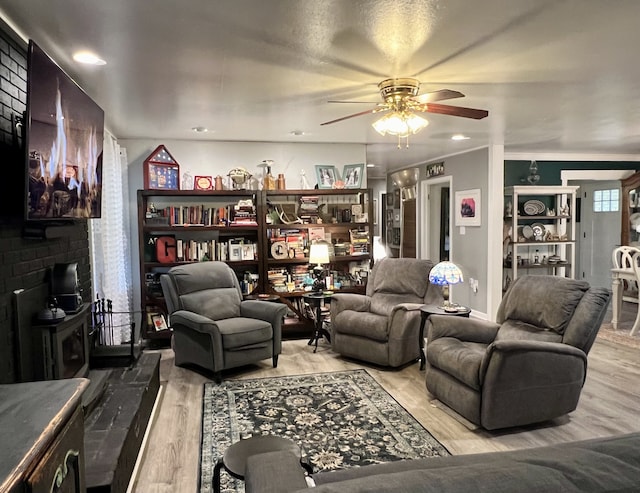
226 251
200 215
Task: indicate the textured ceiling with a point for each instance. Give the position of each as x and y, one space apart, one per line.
556 76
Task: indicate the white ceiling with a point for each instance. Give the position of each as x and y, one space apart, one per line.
557 76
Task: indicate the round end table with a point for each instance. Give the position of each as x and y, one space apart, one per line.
235 457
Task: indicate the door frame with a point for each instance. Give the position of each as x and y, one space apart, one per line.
422 214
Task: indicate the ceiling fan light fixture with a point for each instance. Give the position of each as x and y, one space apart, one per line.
401 124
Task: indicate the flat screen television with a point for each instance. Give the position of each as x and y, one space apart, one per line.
63 142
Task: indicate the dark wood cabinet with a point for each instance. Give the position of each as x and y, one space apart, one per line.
42 436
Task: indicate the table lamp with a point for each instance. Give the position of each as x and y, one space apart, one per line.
319 255
444 274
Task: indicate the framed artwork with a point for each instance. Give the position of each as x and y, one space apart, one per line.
159 322
467 208
326 175
235 252
352 175
435 169
161 170
203 183
247 252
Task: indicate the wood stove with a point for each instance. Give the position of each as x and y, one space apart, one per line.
49 350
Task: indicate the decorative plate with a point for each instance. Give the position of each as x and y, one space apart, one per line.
538 231
533 207
527 232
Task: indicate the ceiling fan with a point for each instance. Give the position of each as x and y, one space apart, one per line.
401 98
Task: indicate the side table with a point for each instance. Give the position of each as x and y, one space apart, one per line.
316 300
235 457
425 312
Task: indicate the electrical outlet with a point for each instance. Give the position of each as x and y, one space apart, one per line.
473 283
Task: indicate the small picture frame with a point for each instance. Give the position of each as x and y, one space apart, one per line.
352 175
435 169
327 175
235 252
247 252
159 322
468 208
203 183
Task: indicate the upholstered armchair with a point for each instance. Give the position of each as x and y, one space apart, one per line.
382 325
527 367
213 328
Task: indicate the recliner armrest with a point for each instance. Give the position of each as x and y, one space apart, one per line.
193 321
529 360
465 329
407 307
263 310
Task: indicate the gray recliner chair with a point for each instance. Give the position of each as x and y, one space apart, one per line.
528 367
213 328
382 326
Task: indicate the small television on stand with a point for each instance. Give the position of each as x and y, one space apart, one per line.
63 135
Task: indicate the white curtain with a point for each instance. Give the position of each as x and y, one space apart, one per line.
110 262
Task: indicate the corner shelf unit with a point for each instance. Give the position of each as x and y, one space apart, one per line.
539 242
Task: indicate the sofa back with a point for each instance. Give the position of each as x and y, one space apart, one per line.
210 289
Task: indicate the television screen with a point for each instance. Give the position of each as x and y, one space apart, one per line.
64 135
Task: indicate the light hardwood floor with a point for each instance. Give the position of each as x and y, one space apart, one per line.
609 405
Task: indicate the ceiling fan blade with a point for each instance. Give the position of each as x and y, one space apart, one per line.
373 110
441 95
445 109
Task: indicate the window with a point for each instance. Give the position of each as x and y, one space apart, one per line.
606 200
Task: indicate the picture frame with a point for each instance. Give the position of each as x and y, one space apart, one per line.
435 169
235 252
159 322
352 175
327 175
247 252
203 183
468 208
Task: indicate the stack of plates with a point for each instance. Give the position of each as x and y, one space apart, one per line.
533 208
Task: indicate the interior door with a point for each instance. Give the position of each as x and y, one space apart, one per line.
598 233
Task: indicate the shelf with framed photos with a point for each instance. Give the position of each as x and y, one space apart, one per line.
185 226
539 235
293 219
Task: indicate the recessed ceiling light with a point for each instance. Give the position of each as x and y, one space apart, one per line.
88 58
200 130
297 133
459 137
371 165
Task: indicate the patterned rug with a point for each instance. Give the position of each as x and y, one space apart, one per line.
339 419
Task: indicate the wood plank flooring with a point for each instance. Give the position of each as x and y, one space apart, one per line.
609 405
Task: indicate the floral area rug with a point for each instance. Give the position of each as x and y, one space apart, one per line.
339 419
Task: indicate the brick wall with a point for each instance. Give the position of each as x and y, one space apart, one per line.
24 263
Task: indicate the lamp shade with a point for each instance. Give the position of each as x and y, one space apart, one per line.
445 273
319 253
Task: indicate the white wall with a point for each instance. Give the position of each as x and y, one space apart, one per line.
218 158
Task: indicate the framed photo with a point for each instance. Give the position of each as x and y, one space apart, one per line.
235 252
159 322
326 175
352 175
247 252
203 183
467 208
435 169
